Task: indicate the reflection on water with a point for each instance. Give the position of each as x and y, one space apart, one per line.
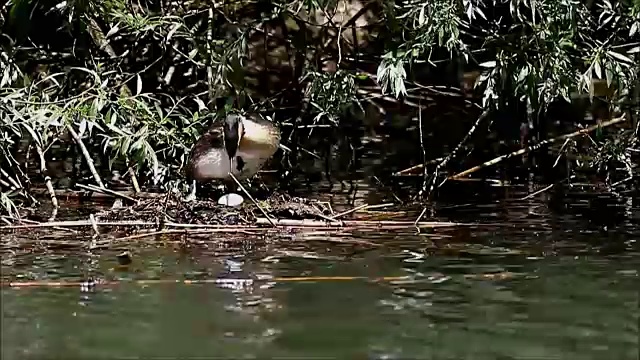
537 283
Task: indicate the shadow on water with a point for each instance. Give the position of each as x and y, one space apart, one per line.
547 279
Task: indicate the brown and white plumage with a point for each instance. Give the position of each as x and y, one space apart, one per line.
255 141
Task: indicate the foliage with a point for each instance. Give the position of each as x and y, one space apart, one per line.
544 50
138 81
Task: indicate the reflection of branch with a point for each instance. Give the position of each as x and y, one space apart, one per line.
86 154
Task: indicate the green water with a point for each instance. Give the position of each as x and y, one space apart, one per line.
568 290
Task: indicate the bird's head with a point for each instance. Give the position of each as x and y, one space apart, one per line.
233 130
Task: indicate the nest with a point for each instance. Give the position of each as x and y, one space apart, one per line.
171 207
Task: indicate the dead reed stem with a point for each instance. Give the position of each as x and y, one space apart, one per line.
126 223
97 194
537 192
106 191
8 220
417 222
418 166
310 223
424 152
357 208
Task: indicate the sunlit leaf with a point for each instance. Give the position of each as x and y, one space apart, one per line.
620 57
634 50
82 127
138 84
597 69
114 29
488 64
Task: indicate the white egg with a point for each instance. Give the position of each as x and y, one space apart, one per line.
231 199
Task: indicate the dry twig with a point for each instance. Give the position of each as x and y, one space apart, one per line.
252 199
537 146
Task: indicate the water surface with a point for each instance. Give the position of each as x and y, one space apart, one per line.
538 283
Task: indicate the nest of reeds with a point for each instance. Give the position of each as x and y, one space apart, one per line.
172 208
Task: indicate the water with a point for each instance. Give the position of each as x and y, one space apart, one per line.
539 283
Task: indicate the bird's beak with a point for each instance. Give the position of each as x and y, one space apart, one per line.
231 135
240 128
233 132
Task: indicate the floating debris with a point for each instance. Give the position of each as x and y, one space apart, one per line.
124 258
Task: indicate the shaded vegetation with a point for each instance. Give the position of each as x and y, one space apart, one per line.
129 86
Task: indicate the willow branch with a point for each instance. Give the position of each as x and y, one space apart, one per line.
86 155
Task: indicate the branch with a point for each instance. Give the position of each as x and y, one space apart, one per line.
47 181
537 146
86 155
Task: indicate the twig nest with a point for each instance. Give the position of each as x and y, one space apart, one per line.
231 199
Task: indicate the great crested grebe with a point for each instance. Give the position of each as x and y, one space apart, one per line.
237 144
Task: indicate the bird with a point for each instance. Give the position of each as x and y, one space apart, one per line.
236 143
